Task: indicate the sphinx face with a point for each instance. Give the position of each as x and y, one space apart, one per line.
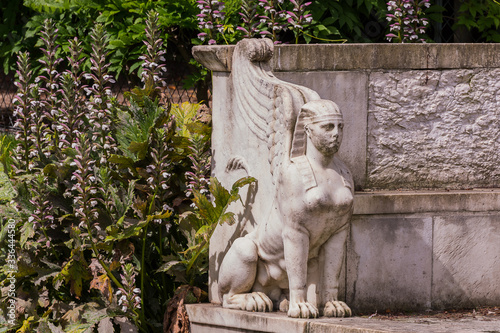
326 135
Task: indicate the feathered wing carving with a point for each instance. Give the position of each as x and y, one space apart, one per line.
268 106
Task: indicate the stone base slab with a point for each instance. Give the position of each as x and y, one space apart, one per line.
210 318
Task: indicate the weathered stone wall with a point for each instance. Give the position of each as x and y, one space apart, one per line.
434 129
420 118
417 116
424 250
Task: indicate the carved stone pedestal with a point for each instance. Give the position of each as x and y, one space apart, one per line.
422 142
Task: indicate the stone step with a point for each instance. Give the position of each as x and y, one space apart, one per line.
210 318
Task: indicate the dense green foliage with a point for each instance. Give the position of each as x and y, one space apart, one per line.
354 20
332 21
109 201
12 31
124 21
481 18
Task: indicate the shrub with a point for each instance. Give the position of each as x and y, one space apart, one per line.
105 192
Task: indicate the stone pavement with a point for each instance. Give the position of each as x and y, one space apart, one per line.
209 318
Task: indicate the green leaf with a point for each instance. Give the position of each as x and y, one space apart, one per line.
167 266
203 232
198 128
184 115
227 218
7 192
206 209
75 272
139 148
114 44
243 181
165 215
27 232
328 21
26 327
88 316
131 231
121 160
136 65
70 152
50 170
220 194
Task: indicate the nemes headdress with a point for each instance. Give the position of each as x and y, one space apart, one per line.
311 112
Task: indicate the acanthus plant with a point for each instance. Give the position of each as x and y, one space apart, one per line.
274 18
211 20
49 87
116 207
153 67
298 17
128 295
264 18
159 172
84 192
31 128
86 200
40 132
250 18
23 114
71 112
268 18
42 218
407 20
199 176
99 106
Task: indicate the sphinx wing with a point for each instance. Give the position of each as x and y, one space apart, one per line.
269 106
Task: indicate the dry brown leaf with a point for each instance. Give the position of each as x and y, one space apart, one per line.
74 315
95 267
125 325
43 299
176 319
105 326
103 283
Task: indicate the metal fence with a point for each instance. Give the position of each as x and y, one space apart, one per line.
444 31
7 92
175 92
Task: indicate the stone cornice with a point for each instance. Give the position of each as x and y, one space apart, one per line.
413 202
331 57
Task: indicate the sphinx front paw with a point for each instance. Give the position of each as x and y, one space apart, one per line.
336 309
302 310
256 301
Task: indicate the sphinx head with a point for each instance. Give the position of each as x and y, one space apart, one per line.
323 125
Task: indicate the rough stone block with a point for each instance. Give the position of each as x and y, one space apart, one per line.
433 129
466 268
389 263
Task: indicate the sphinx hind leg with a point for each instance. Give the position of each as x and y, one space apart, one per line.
237 276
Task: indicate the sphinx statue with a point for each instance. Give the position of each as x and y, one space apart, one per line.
292 257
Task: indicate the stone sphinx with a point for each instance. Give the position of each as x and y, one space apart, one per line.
291 255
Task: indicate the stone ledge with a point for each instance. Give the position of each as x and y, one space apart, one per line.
328 57
393 202
210 318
